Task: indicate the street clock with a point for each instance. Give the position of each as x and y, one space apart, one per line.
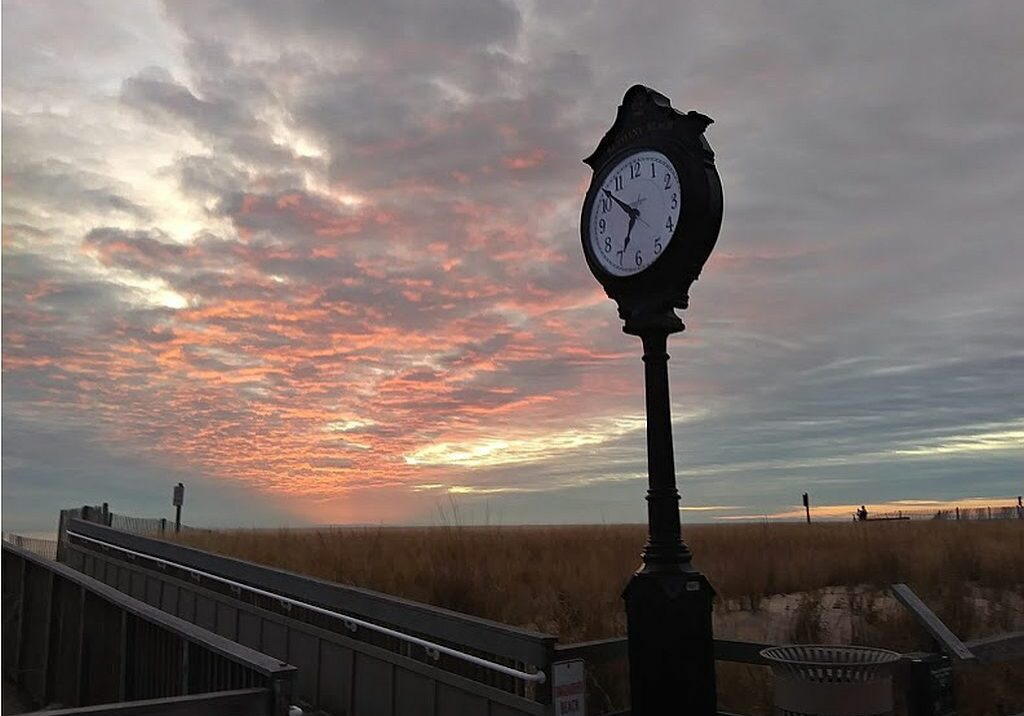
654 207
650 220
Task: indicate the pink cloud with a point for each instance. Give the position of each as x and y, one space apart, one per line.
528 160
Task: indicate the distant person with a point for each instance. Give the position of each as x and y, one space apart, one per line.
862 513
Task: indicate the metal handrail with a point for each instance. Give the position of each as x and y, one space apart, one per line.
434 650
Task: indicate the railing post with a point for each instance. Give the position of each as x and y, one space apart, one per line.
543 692
930 691
19 610
80 657
61 521
51 582
281 693
123 658
184 667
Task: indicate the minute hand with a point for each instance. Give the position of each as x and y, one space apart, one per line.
630 211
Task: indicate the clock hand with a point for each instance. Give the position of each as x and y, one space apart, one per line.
625 207
629 230
625 242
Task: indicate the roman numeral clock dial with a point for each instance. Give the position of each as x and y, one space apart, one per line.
635 213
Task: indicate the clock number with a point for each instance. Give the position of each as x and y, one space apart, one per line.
607 244
601 225
652 170
619 254
668 180
675 201
657 246
606 205
668 223
634 170
618 183
639 258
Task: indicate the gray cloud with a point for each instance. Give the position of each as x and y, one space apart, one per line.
53 186
273 220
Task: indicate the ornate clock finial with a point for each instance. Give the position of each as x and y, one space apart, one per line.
638 95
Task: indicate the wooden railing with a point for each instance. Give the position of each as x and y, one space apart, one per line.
73 641
924 677
341 670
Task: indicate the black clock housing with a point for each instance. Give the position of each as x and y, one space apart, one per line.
647 121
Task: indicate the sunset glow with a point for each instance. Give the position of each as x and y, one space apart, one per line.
325 268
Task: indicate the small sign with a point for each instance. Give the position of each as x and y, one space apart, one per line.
567 687
179 495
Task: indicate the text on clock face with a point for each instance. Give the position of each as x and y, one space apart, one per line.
634 213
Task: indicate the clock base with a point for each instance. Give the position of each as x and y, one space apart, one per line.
671 647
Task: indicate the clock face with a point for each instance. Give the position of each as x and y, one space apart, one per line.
634 213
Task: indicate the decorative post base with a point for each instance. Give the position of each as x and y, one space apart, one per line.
671 645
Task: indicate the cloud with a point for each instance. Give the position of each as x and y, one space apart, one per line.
56 187
329 253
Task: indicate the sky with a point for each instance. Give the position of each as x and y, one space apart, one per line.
321 261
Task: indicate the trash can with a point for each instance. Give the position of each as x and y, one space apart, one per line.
825 680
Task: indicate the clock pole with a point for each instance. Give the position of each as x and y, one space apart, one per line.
668 602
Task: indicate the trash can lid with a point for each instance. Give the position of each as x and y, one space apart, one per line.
831 662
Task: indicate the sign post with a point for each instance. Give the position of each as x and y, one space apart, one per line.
650 220
179 499
807 507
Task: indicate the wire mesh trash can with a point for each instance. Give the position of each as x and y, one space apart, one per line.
823 680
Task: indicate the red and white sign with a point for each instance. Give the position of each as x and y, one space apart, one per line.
567 687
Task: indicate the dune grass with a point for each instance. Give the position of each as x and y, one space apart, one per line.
567 579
